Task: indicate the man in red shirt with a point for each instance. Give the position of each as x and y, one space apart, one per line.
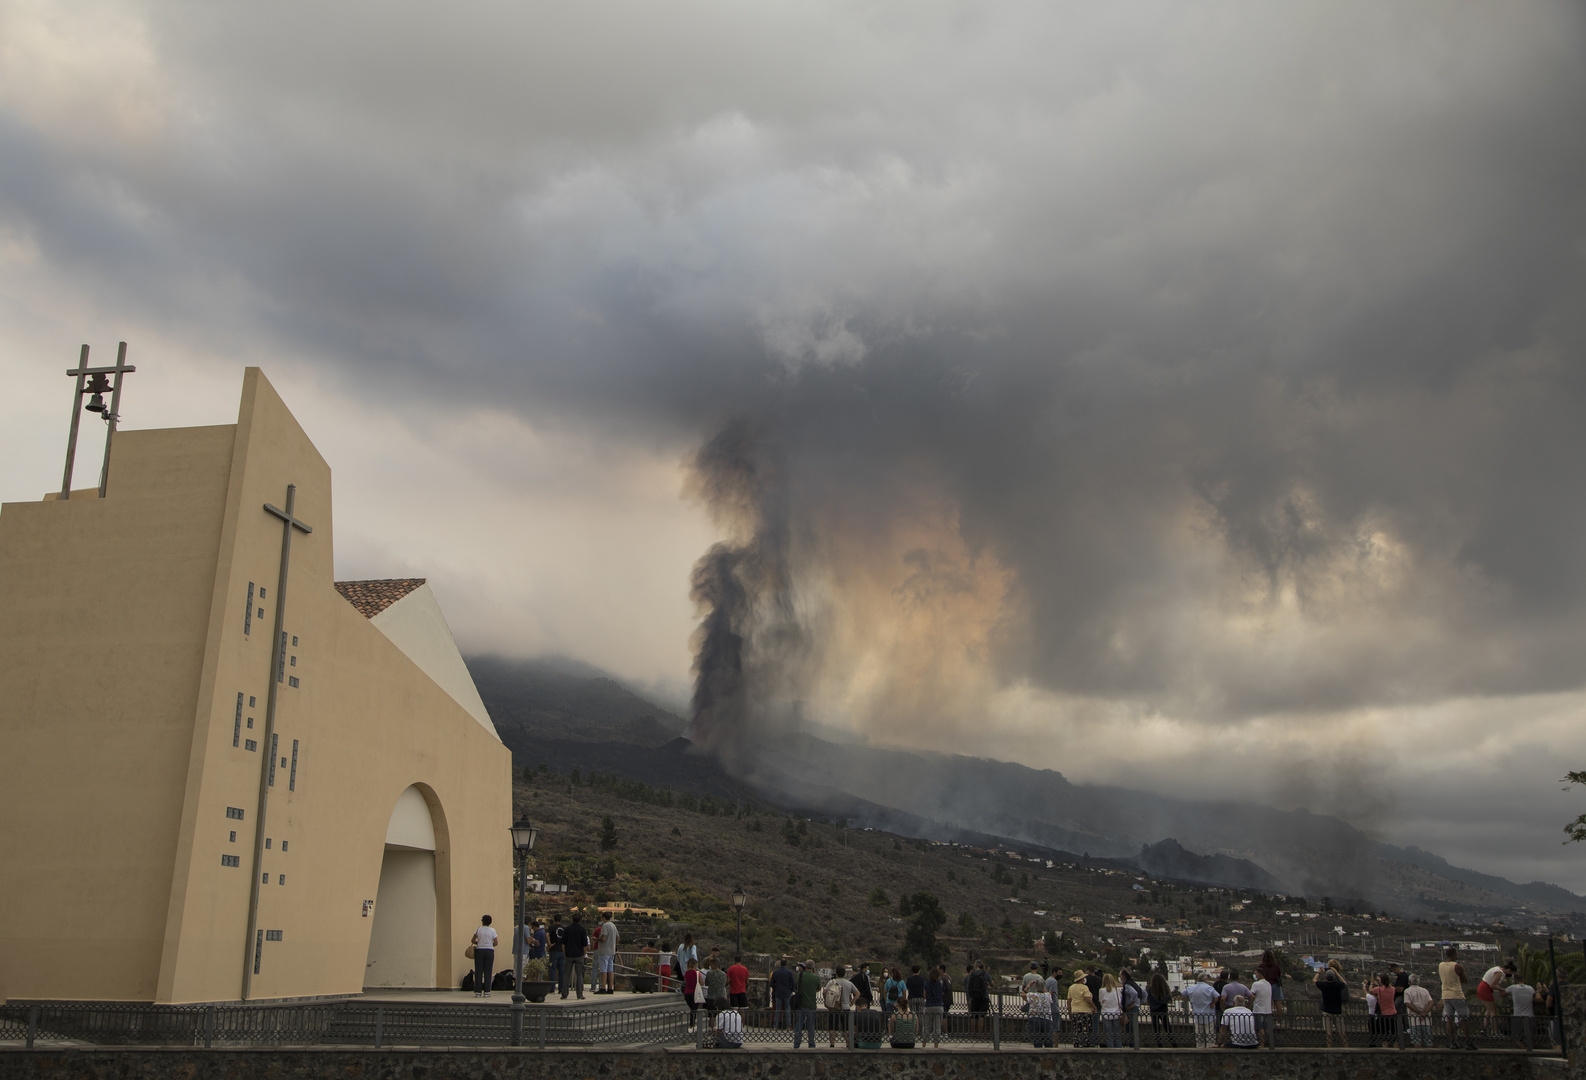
738 984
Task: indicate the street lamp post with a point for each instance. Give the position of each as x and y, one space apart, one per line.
523 837
738 900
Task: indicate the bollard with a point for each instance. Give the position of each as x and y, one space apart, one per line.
1404 1036
33 1024
699 1035
209 1026
379 1025
996 1025
517 1022
1272 1031
1134 1028
542 1029
851 1030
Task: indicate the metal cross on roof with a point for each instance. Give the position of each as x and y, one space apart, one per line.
111 415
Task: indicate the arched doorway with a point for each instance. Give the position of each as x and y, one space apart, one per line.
402 939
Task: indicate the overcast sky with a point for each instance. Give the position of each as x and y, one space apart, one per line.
1185 395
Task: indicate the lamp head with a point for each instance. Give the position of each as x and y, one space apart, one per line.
738 899
524 835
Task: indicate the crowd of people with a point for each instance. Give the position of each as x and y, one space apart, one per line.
906 1009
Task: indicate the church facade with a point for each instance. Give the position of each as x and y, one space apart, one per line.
215 789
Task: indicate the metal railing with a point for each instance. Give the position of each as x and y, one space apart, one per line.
337 1024
1004 1025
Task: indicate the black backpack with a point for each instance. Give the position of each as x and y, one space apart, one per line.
468 982
502 981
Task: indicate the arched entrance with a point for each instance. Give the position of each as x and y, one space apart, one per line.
402 939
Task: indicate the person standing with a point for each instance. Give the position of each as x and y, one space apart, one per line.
606 956
664 965
783 984
977 995
484 942
838 996
1418 1011
805 1000
538 941
1269 969
575 942
934 1008
1260 1005
715 988
1456 1010
556 955
685 952
1522 1023
892 990
1387 1010
1331 987
1203 1010
693 992
738 984
1487 991
861 981
1038 1002
916 987
1081 1009
1159 997
1109 1006
1399 979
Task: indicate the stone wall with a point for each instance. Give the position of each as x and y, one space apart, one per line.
170 1063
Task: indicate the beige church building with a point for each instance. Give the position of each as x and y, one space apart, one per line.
193 809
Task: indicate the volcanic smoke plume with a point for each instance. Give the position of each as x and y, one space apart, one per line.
749 632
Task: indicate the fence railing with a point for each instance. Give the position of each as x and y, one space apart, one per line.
353 1023
339 1024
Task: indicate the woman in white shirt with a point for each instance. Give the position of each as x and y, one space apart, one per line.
1109 1003
484 957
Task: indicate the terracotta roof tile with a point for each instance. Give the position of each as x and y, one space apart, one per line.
373 597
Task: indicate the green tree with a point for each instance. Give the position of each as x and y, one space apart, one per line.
1051 943
608 834
790 833
1575 830
905 906
919 940
966 924
879 897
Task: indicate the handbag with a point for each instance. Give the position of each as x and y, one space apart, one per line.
469 952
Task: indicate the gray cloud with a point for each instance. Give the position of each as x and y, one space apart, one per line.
1193 362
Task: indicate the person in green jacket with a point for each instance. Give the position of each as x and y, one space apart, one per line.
806 998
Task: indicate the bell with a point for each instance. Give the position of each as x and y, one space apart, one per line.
98 384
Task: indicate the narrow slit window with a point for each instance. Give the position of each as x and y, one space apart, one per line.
261 592
236 725
280 879
280 668
294 641
274 739
233 836
291 780
267 843
247 612
264 879
283 845
258 948
251 702
250 723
